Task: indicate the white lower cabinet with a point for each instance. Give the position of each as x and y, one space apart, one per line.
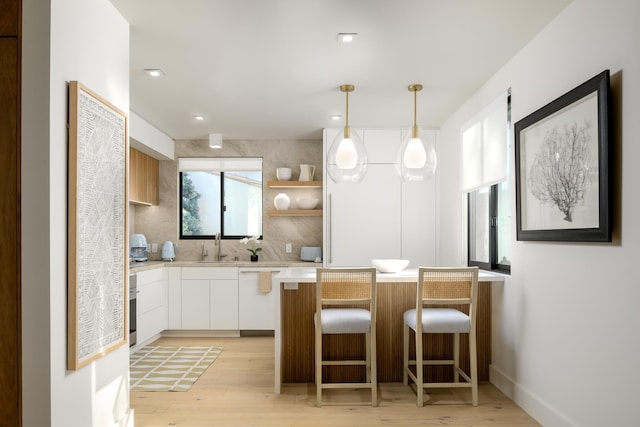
151 303
203 298
223 304
256 304
195 304
175 297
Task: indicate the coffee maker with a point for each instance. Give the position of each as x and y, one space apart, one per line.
138 247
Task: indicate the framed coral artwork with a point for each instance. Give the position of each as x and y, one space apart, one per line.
563 165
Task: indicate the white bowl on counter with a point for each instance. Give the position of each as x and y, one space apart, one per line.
306 202
389 265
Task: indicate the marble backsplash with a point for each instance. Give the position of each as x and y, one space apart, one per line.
160 223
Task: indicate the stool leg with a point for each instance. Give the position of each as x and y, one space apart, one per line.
374 368
318 355
473 362
405 354
456 358
367 346
419 370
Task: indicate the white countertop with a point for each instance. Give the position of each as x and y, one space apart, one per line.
308 275
150 265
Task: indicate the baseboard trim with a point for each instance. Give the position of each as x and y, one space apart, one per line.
200 333
529 402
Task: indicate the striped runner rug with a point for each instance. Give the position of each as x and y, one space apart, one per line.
164 368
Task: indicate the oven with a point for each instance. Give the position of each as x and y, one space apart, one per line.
133 291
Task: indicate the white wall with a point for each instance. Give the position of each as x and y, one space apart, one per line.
147 138
565 337
88 41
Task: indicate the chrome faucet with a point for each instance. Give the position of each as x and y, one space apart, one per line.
203 253
218 243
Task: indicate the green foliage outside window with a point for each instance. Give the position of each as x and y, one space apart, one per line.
190 211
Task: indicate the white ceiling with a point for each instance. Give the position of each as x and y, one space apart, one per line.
271 69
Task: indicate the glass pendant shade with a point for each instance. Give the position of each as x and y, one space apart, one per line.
417 159
347 158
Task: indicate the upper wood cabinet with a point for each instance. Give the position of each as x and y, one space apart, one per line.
143 178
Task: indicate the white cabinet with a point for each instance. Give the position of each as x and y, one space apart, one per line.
381 217
151 303
195 304
256 307
363 220
175 297
223 303
203 298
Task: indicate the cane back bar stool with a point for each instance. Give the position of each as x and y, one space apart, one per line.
337 288
438 288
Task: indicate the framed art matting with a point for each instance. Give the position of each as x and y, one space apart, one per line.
562 159
97 253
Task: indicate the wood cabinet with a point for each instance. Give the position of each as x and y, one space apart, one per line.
381 217
152 304
256 308
143 178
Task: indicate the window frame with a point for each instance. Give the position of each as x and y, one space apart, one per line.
493 264
223 236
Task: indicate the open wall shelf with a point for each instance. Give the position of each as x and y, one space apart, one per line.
294 184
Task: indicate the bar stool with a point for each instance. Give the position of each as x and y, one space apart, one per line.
336 287
442 287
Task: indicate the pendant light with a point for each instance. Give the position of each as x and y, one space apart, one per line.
347 157
417 160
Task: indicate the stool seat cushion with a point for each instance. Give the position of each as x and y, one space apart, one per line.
439 320
345 321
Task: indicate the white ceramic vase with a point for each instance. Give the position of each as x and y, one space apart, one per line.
282 202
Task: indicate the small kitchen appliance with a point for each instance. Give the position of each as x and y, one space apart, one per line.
168 251
138 247
310 253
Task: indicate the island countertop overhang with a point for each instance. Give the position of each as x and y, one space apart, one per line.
308 275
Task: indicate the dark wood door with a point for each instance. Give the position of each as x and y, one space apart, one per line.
9 17
10 337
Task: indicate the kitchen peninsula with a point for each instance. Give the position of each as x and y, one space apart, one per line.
294 331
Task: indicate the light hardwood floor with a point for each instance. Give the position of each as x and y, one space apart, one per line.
237 390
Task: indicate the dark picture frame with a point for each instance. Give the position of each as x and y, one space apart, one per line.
563 166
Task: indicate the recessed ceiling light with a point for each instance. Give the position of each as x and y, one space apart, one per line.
198 117
346 37
154 72
335 117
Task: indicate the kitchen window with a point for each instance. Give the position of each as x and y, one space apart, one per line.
220 195
488 235
485 180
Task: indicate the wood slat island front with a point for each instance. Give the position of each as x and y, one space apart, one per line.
294 343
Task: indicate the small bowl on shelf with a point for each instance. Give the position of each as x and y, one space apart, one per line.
283 174
306 202
389 265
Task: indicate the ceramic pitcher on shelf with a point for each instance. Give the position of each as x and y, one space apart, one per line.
306 172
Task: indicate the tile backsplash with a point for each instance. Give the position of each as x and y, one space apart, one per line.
160 223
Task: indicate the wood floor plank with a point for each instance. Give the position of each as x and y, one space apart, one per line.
237 390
